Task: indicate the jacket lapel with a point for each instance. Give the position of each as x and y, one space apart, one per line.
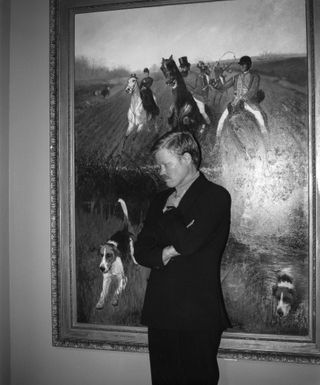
164 197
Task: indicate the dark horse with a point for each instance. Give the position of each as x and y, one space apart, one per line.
184 113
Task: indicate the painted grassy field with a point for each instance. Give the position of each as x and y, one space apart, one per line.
267 179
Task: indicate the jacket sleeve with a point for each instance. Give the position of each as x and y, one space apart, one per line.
254 87
150 82
229 83
146 82
147 249
187 238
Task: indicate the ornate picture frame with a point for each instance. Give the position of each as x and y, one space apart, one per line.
73 98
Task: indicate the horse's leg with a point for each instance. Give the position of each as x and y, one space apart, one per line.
258 116
202 110
262 125
156 103
221 122
130 129
140 127
131 121
155 98
173 117
142 117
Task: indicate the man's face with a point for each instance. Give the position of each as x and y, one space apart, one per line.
174 168
244 67
146 74
184 70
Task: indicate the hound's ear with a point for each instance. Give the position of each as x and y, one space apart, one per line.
274 289
171 56
116 251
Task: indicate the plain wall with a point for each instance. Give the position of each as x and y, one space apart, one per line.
33 360
4 193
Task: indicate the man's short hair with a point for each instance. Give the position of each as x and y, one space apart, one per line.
180 143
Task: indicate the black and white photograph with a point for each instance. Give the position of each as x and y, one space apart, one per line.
160 192
137 72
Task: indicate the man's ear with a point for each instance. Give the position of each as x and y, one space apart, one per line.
187 157
274 289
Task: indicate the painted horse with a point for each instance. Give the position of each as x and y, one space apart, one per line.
139 112
184 112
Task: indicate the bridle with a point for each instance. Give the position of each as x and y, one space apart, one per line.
130 89
170 80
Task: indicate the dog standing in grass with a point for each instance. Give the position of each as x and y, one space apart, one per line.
117 251
284 292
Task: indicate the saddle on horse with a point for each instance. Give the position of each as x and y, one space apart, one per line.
149 103
147 97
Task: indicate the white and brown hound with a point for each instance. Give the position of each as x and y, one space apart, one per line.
114 253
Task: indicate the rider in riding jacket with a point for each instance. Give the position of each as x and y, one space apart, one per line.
204 80
247 95
194 85
148 101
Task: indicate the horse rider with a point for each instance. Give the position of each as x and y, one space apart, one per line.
147 97
105 90
204 78
194 86
219 78
247 95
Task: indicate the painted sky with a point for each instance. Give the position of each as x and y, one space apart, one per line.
139 38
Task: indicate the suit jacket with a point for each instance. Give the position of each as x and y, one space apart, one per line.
194 85
253 86
186 293
146 82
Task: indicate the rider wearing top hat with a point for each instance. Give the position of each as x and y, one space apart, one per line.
148 101
246 94
194 85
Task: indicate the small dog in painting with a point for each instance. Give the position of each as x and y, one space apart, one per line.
114 253
284 292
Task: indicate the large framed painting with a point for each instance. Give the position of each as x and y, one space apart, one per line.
119 71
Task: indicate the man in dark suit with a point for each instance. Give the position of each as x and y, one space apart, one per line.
182 241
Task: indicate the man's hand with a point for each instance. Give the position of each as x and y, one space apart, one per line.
168 253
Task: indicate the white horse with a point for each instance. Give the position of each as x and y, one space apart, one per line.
137 115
